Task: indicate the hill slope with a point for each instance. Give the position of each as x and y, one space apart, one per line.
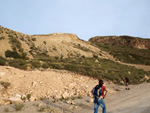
63 51
19 45
129 41
125 48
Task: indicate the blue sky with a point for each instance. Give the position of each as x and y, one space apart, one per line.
85 18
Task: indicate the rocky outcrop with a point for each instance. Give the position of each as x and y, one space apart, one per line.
134 42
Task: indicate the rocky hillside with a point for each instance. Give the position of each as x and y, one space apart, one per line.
19 45
42 84
126 49
122 41
65 51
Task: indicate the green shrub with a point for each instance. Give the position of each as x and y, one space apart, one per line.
148 80
128 54
45 65
15 54
82 48
6 109
45 109
28 96
5 84
44 42
2 61
33 39
57 65
35 64
95 56
104 69
2 37
12 54
18 63
54 48
19 107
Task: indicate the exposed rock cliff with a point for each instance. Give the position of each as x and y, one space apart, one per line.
134 42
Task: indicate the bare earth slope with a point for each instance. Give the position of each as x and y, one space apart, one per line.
57 44
44 84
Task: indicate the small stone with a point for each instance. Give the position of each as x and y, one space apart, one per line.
65 95
21 76
26 101
70 102
34 83
32 99
91 100
18 96
96 61
23 96
7 103
72 85
76 107
146 77
57 97
39 105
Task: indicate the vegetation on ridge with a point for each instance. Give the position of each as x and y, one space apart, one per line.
128 54
127 49
93 67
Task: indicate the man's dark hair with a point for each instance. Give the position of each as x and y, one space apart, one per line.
100 82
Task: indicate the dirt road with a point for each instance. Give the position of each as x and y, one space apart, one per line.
136 100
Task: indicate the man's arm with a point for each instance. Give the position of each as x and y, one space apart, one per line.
105 93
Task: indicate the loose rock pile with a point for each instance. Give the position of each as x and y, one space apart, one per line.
20 85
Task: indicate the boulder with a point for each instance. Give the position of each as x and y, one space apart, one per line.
57 97
65 95
14 100
146 77
32 99
96 61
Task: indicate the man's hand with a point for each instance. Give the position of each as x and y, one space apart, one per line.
96 97
103 96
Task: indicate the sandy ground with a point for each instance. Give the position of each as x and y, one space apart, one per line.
135 100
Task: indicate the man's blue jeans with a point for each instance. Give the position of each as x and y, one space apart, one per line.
100 102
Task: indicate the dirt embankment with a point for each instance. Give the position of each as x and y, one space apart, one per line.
43 84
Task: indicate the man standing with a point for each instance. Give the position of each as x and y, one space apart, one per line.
127 83
99 92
